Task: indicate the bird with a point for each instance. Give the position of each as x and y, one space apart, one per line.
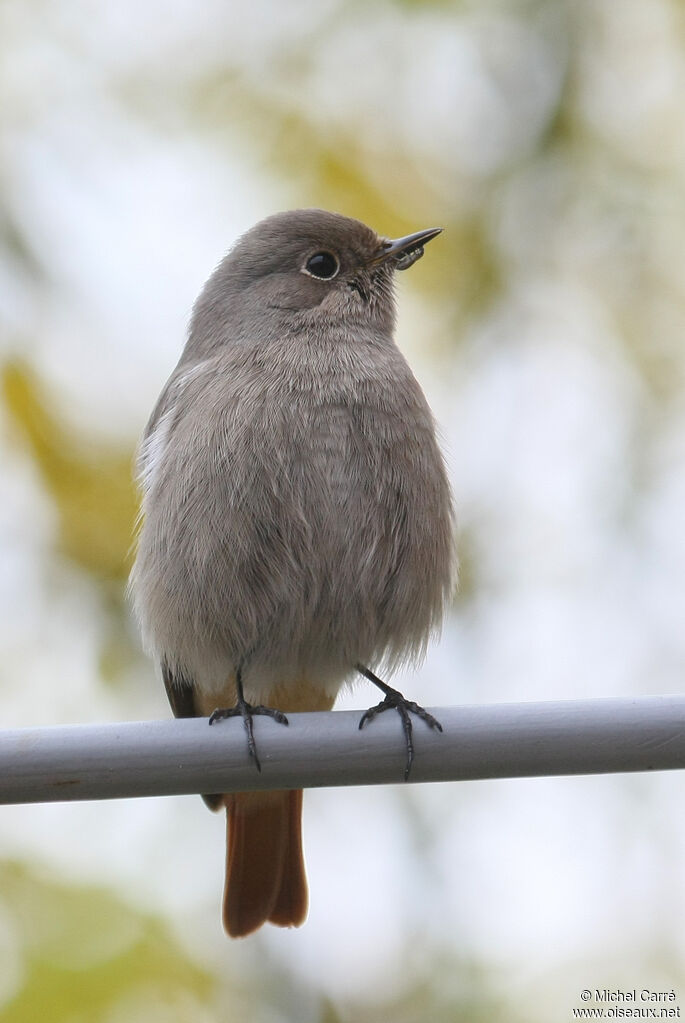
297 523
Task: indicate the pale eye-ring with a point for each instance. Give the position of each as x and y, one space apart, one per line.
323 265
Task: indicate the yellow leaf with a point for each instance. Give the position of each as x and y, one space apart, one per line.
90 483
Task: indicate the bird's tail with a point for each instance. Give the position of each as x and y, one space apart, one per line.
265 875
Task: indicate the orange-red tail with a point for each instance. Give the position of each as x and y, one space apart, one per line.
265 877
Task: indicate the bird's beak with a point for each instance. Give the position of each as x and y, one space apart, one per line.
404 251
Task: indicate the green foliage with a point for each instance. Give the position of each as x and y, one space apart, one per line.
76 953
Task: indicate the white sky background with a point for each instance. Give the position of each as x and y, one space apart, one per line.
568 470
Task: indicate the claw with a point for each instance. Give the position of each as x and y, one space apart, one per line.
247 711
395 701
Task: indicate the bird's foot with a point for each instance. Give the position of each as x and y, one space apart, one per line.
395 701
247 711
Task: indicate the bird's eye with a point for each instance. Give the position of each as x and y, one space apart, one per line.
323 265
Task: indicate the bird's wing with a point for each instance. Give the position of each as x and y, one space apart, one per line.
179 689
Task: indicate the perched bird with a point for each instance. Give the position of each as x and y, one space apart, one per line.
297 521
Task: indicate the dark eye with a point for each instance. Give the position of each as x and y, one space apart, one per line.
323 265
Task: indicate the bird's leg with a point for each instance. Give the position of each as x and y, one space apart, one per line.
395 700
247 711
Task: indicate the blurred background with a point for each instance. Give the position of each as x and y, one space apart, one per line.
137 141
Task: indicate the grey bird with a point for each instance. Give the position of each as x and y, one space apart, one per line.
297 522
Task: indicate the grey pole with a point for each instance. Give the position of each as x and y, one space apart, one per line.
161 758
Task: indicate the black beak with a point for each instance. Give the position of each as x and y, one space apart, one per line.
405 251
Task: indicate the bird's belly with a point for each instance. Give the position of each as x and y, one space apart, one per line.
288 558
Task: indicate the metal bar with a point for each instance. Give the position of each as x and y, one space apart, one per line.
154 758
